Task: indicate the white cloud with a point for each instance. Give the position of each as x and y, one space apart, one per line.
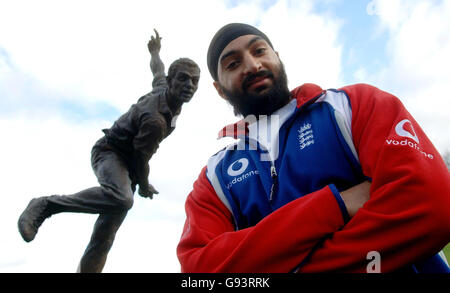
307 43
96 51
43 158
418 71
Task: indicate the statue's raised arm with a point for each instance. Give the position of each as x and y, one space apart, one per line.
156 64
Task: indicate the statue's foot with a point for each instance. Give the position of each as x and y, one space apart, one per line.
33 217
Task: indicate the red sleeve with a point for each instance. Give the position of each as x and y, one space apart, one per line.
408 214
278 243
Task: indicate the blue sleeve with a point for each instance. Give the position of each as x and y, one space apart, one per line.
340 202
434 264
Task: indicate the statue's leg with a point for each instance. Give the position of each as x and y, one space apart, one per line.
102 239
118 190
112 199
115 194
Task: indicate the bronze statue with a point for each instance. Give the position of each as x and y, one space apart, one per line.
120 159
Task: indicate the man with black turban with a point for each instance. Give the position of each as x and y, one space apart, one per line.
338 180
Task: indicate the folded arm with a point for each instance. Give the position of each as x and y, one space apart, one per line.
407 217
277 243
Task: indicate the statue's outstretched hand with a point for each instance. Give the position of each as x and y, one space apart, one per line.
147 191
154 45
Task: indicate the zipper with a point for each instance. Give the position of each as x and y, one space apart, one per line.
274 175
273 170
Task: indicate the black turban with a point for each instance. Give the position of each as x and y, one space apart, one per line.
223 37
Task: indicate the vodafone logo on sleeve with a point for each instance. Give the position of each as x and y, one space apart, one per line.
405 130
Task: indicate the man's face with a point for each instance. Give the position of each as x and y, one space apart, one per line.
251 77
184 83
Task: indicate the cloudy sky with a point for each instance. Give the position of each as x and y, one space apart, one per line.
70 68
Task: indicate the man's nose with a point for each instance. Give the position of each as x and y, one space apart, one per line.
189 84
251 64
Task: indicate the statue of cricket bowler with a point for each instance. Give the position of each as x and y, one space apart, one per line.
120 159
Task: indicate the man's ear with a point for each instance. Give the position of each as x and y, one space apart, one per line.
219 90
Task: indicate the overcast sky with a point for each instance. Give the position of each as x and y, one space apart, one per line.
70 68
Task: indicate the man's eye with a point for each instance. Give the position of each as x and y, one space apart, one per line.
231 65
260 51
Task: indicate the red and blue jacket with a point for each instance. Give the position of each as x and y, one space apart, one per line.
271 203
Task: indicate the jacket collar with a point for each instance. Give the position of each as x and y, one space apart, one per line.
305 94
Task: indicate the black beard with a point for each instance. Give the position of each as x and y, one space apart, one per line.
245 103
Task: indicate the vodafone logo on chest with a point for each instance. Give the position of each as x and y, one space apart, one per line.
408 137
238 167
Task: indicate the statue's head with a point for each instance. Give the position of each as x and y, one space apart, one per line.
182 78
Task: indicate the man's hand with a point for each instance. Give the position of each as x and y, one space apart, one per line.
154 45
355 197
147 191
